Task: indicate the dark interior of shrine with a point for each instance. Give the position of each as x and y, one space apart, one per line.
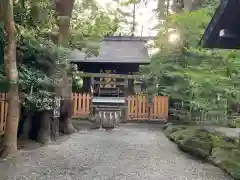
110 68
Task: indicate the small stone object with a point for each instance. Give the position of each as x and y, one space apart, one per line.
111 119
98 117
117 117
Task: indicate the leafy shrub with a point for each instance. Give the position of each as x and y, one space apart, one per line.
36 88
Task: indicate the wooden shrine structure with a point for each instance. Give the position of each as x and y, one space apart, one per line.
114 68
110 76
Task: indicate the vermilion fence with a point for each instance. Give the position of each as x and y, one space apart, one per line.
138 108
81 104
3 112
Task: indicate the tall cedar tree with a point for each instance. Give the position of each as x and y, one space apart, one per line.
10 138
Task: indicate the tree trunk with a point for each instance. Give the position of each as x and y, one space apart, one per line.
10 138
66 126
64 11
26 122
44 134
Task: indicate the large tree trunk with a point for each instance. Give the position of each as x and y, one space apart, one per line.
64 89
10 138
66 126
44 134
25 124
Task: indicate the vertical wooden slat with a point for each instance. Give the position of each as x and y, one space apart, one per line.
166 108
155 107
150 110
133 107
83 108
144 107
79 103
129 107
136 107
75 103
88 104
158 110
3 115
139 107
161 107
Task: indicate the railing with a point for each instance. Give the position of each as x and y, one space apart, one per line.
140 109
81 104
3 112
159 108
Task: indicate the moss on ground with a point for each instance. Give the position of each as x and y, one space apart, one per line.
221 150
227 159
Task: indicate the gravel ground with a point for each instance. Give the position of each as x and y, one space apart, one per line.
129 152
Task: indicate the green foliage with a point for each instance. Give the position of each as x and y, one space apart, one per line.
3 80
37 89
77 81
39 59
204 80
89 24
1 45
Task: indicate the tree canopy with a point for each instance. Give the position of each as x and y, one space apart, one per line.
37 55
204 79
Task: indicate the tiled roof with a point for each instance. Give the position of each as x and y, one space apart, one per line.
117 49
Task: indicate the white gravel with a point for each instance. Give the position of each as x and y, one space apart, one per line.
130 152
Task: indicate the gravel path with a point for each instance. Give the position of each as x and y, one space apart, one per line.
130 152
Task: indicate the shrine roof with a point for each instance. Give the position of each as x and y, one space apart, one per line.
117 49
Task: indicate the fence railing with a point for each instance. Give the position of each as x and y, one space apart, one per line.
81 105
3 112
140 109
218 115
